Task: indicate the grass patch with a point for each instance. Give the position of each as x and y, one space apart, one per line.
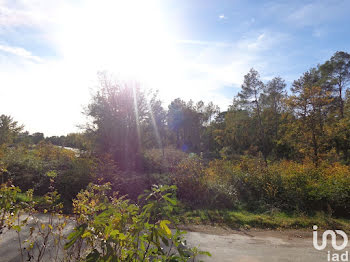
276 220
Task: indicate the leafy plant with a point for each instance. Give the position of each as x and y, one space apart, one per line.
8 208
113 229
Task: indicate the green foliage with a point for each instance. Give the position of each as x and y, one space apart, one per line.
197 189
163 160
187 121
285 185
28 167
271 150
8 209
189 178
120 113
107 228
311 122
113 229
269 220
9 129
40 237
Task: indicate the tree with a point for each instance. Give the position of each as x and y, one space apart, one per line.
189 122
340 131
336 72
207 114
155 133
310 102
239 134
273 95
176 119
37 137
119 113
9 129
250 99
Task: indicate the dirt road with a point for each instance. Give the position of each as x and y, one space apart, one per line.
227 245
257 246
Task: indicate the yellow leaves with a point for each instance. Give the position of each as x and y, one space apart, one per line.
86 234
31 245
163 225
271 189
122 236
114 233
116 220
43 226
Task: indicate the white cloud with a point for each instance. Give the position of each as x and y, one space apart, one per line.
262 41
130 42
21 52
217 66
318 12
12 17
33 13
222 16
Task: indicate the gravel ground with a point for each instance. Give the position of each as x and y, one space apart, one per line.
225 245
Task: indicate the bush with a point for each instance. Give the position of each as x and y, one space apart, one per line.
28 167
189 177
250 183
285 185
163 160
107 228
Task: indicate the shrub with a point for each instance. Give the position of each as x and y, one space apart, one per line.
116 230
8 209
163 160
28 168
107 228
285 185
189 177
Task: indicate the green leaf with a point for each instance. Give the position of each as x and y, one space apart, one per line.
170 200
93 256
75 235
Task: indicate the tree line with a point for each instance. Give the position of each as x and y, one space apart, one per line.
310 120
275 147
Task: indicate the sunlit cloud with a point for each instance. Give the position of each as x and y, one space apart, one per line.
133 40
132 44
19 51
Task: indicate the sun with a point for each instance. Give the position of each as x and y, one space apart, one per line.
128 38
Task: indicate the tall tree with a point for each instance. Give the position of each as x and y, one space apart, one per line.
9 129
337 72
249 97
311 102
272 98
176 119
155 132
119 112
189 122
238 135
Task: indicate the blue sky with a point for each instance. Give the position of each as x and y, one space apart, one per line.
50 51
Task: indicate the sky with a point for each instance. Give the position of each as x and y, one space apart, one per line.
51 51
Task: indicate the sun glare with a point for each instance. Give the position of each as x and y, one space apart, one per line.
132 42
